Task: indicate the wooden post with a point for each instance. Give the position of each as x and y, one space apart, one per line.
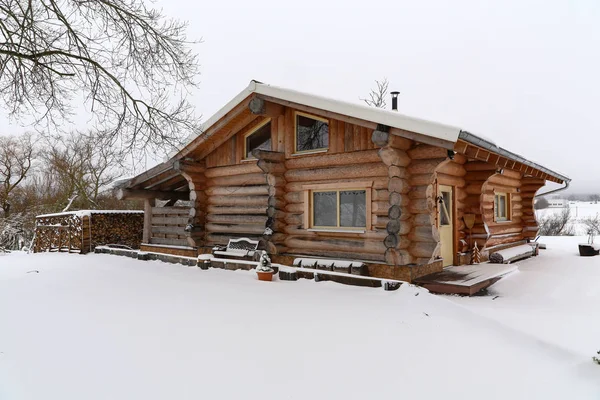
148 204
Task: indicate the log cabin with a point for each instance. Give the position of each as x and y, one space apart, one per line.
310 176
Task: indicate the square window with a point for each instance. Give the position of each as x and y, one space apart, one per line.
339 208
312 133
258 139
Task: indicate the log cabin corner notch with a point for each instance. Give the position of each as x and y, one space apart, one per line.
310 176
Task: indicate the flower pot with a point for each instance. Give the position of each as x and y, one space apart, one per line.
586 250
264 276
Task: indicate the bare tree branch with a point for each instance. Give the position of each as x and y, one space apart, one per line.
377 97
132 65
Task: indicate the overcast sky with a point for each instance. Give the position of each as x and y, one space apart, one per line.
523 73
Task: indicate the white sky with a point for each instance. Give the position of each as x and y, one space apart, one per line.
523 73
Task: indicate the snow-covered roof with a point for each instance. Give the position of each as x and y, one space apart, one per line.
389 118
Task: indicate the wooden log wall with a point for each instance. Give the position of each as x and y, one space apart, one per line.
359 166
273 165
237 198
511 230
529 187
399 222
477 173
195 174
168 226
424 237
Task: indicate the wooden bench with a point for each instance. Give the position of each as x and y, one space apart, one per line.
512 254
237 248
344 266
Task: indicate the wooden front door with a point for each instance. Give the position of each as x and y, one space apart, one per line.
446 223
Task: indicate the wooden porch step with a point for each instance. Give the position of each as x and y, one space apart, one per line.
465 279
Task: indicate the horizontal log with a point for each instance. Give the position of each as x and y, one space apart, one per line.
451 168
380 207
294 219
480 166
223 239
424 234
276 168
425 151
266 155
378 183
239 169
345 172
246 201
198 196
171 210
418 167
211 209
367 235
421 192
421 179
169 241
123 194
294 197
397 257
191 167
333 160
335 244
237 219
275 181
394 157
530 188
235 228
479 176
421 206
237 190
423 220
177 230
380 194
294 208
170 220
501 180
450 180
238 180
505 239
381 138
423 249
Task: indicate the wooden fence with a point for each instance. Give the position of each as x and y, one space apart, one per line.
82 231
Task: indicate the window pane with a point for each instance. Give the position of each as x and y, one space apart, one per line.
496 206
311 134
261 139
445 208
502 206
353 208
325 208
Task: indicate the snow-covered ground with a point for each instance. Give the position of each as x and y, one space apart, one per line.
579 211
108 327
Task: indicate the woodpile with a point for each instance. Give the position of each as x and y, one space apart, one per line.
82 231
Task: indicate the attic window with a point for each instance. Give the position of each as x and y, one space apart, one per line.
312 133
258 138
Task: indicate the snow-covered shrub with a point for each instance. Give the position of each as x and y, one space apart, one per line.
264 265
559 224
16 231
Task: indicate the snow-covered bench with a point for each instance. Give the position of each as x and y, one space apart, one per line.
242 248
512 254
349 267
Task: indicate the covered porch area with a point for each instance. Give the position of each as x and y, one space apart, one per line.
173 217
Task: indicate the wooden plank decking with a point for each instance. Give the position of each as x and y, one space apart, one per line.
465 279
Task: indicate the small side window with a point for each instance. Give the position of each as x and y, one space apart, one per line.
259 138
312 133
501 206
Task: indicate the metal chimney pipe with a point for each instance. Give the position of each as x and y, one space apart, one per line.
395 100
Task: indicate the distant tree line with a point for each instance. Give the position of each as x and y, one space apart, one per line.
40 175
